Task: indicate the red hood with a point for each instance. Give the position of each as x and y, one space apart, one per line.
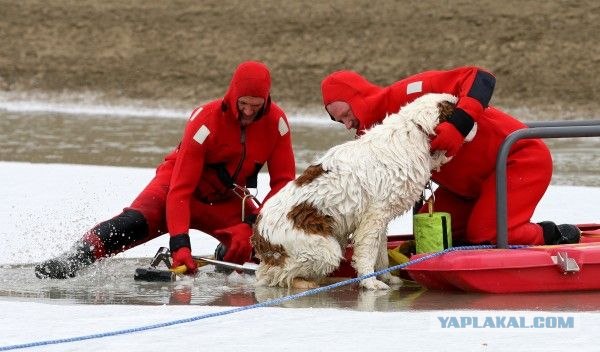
367 100
251 78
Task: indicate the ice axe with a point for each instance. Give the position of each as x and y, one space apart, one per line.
163 255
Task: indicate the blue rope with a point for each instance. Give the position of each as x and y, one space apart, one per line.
269 303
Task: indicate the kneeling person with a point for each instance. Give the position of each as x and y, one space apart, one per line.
200 184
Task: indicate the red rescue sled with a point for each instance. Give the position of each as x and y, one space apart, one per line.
568 267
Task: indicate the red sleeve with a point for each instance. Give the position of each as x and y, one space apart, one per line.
472 85
187 172
281 163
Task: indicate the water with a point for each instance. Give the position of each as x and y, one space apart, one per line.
111 282
43 137
142 141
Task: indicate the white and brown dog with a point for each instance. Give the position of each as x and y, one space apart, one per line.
350 195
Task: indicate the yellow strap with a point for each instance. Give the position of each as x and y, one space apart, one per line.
395 257
430 205
179 270
182 269
431 198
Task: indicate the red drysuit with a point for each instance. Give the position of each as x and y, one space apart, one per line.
192 186
200 185
466 183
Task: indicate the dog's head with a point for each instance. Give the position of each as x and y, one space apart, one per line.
429 110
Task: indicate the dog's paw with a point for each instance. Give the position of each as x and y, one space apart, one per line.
374 284
303 284
391 279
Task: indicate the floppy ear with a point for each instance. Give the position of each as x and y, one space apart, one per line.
446 109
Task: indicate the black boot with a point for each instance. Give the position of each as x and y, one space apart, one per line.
66 264
560 234
115 235
220 252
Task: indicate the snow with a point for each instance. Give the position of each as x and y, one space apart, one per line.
45 207
71 105
277 329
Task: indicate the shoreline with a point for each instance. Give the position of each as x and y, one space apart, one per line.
99 103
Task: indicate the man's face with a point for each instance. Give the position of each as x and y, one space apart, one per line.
341 112
249 107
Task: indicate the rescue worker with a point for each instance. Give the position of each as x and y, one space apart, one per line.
202 183
472 137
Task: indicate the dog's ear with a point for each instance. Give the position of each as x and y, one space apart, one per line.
446 109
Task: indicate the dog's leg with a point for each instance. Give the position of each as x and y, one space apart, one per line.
383 263
367 242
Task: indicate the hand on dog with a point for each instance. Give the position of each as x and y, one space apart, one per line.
237 241
447 138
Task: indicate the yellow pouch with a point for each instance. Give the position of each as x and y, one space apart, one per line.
432 230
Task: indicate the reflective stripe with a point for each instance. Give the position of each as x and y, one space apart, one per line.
196 113
414 87
472 133
283 127
201 135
